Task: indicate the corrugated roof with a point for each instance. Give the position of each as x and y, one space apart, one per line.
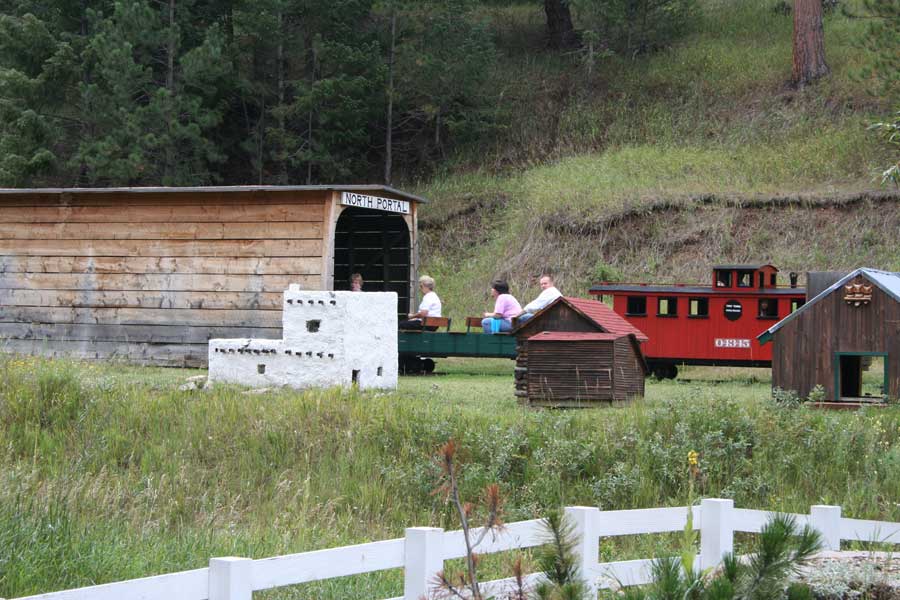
744 267
692 290
887 281
604 316
219 188
575 336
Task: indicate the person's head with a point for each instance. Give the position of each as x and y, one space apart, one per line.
426 284
498 287
546 281
356 282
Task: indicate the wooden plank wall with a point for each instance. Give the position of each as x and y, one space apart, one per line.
569 373
150 277
628 373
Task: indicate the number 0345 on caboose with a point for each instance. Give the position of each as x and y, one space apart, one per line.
706 325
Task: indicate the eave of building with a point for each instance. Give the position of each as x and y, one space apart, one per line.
886 281
215 189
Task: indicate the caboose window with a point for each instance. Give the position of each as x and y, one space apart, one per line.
768 308
773 280
698 307
796 303
667 307
745 278
637 306
723 278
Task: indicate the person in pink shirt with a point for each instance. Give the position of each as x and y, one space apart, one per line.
505 307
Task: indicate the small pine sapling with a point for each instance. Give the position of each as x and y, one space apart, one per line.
558 561
465 585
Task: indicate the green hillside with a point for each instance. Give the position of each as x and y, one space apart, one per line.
641 171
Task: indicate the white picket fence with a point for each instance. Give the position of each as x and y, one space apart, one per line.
421 554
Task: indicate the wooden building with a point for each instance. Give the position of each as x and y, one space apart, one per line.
835 337
578 352
150 274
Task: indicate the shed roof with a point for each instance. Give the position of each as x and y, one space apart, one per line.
604 316
575 336
214 189
887 281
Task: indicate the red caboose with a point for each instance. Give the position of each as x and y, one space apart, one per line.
707 325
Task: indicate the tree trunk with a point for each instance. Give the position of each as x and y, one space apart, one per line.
169 168
559 25
279 70
389 130
809 43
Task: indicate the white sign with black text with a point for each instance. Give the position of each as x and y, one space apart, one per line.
732 343
375 202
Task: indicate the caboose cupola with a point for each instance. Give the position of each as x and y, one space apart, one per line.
744 277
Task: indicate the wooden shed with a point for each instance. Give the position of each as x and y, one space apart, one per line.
150 274
845 339
578 352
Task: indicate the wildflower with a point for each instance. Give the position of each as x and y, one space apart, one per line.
692 458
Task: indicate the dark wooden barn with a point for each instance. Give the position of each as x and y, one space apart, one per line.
578 352
845 339
149 275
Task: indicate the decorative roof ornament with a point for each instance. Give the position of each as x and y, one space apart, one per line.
858 294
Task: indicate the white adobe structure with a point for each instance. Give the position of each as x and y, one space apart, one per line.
330 338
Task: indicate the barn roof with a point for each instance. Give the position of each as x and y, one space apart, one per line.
604 316
575 336
887 281
214 189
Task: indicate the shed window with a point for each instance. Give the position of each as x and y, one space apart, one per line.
667 307
637 306
768 308
698 307
723 278
745 278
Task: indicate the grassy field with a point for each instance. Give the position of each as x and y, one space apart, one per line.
110 472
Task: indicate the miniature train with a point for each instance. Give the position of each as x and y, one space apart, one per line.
690 324
707 325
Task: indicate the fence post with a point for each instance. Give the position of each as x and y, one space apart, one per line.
230 578
586 519
716 530
827 519
423 558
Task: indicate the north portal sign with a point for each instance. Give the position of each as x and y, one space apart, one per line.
375 203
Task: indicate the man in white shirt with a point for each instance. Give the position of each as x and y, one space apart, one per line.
548 294
429 307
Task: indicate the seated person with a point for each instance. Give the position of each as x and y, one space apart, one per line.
429 307
505 307
548 294
356 282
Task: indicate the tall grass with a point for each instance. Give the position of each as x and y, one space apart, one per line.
143 478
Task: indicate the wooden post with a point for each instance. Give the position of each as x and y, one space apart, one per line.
827 520
586 521
423 559
716 531
230 578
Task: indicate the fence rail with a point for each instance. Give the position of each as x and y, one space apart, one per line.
421 554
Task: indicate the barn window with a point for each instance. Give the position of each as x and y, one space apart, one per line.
768 308
745 278
637 306
667 307
698 308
